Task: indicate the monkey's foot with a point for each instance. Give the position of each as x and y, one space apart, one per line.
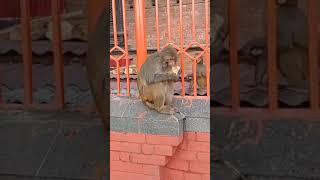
167 110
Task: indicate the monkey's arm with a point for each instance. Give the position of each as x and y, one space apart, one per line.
161 77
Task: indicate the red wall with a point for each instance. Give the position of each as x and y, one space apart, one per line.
11 8
155 157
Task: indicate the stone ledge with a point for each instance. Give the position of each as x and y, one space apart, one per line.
129 114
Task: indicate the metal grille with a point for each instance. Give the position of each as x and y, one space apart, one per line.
273 91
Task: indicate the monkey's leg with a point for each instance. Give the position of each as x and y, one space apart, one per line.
169 101
291 66
159 104
164 109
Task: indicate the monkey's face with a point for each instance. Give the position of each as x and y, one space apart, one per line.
169 61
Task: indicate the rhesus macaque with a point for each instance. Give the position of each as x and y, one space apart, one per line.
292 45
96 65
156 78
201 76
292 36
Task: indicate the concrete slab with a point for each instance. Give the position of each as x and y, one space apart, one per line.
50 145
23 146
275 149
131 115
76 153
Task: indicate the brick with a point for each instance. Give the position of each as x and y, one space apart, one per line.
190 136
186 155
125 147
124 156
127 137
114 156
147 149
192 176
205 157
184 145
151 170
199 146
205 177
178 164
199 167
126 167
149 159
163 150
171 174
203 137
117 175
164 140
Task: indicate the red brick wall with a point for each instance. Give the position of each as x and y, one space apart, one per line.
155 157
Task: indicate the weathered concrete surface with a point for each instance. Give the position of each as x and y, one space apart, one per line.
279 149
129 114
53 145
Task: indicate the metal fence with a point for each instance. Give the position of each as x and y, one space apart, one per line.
140 35
273 105
28 103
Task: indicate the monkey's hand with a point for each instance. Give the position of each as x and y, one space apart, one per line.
161 77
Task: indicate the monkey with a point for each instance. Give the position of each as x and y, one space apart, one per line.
96 65
219 36
155 80
292 45
201 76
292 42
96 68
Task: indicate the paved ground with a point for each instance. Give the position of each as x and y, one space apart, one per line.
50 146
277 150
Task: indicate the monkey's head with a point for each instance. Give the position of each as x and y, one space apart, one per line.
169 58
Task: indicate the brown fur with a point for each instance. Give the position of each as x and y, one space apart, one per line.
96 66
201 76
155 80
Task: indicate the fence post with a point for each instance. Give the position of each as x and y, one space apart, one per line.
27 51
140 32
58 55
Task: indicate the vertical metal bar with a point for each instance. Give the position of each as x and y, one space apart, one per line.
193 23
313 54
58 60
116 43
157 25
234 42
207 46
194 70
169 21
140 32
26 51
272 54
182 49
126 45
194 64
114 21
